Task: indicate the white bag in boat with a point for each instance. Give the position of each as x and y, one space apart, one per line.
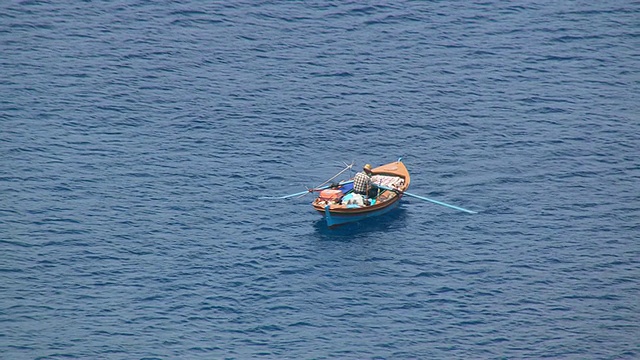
353 199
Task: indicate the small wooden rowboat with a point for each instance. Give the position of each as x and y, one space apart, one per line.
339 205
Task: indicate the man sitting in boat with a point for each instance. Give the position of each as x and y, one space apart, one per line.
362 183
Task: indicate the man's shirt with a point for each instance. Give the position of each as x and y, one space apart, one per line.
361 183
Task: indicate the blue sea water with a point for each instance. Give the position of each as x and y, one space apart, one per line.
136 138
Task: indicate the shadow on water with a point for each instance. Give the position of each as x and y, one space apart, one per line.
393 220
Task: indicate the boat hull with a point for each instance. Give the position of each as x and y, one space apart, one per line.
335 219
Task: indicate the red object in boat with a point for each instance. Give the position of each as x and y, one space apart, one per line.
330 195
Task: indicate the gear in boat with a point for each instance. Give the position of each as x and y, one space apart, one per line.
343 196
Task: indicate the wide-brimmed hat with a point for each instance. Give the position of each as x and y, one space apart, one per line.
367 167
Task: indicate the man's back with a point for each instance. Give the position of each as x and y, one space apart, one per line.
361 183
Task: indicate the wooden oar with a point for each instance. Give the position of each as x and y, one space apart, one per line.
303 192
427 199
317 188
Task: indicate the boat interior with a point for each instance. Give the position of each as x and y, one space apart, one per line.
342 195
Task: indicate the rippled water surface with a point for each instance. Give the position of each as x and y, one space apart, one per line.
137 137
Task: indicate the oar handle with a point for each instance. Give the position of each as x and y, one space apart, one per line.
389 188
